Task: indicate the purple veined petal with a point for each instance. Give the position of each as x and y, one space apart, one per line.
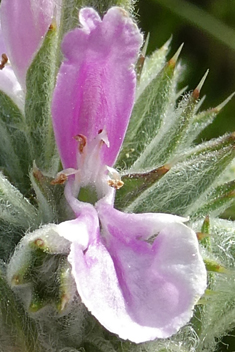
96 83
138 290
153 222
24 25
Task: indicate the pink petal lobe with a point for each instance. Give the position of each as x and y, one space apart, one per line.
137 289
24 25
89 19
96 83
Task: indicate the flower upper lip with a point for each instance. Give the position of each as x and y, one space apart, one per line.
96 83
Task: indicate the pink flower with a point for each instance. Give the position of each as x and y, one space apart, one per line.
24 26
140 275
8 82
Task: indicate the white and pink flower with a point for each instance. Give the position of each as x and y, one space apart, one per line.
140 275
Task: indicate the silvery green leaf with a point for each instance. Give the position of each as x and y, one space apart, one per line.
212 145
98 343
179 190
17 330
218 200
69 16
204 118
134 184
150 110
14 208
221 302
16 216
40 82
172 136
152 65
48 197
15 155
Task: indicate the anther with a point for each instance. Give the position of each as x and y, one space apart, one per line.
115 183
82 141
115 178
3 61
59 180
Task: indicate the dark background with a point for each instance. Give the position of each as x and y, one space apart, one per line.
202 50
207 29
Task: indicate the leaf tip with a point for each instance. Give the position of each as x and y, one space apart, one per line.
166 45
222 105
202 235
173 60
197 90
146 43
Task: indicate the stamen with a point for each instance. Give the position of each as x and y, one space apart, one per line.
63 175
60 179
103 137
115 183
115 178
82 141
3 61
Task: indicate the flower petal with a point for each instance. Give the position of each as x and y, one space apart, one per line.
96 83
138 290
10 86
8 81
81 230
24 24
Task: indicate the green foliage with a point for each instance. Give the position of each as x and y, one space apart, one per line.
163 171
220 302
14 208
190 183
69 16
178 191
18 332
14 156
49 197
40 83
16 216
153 99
